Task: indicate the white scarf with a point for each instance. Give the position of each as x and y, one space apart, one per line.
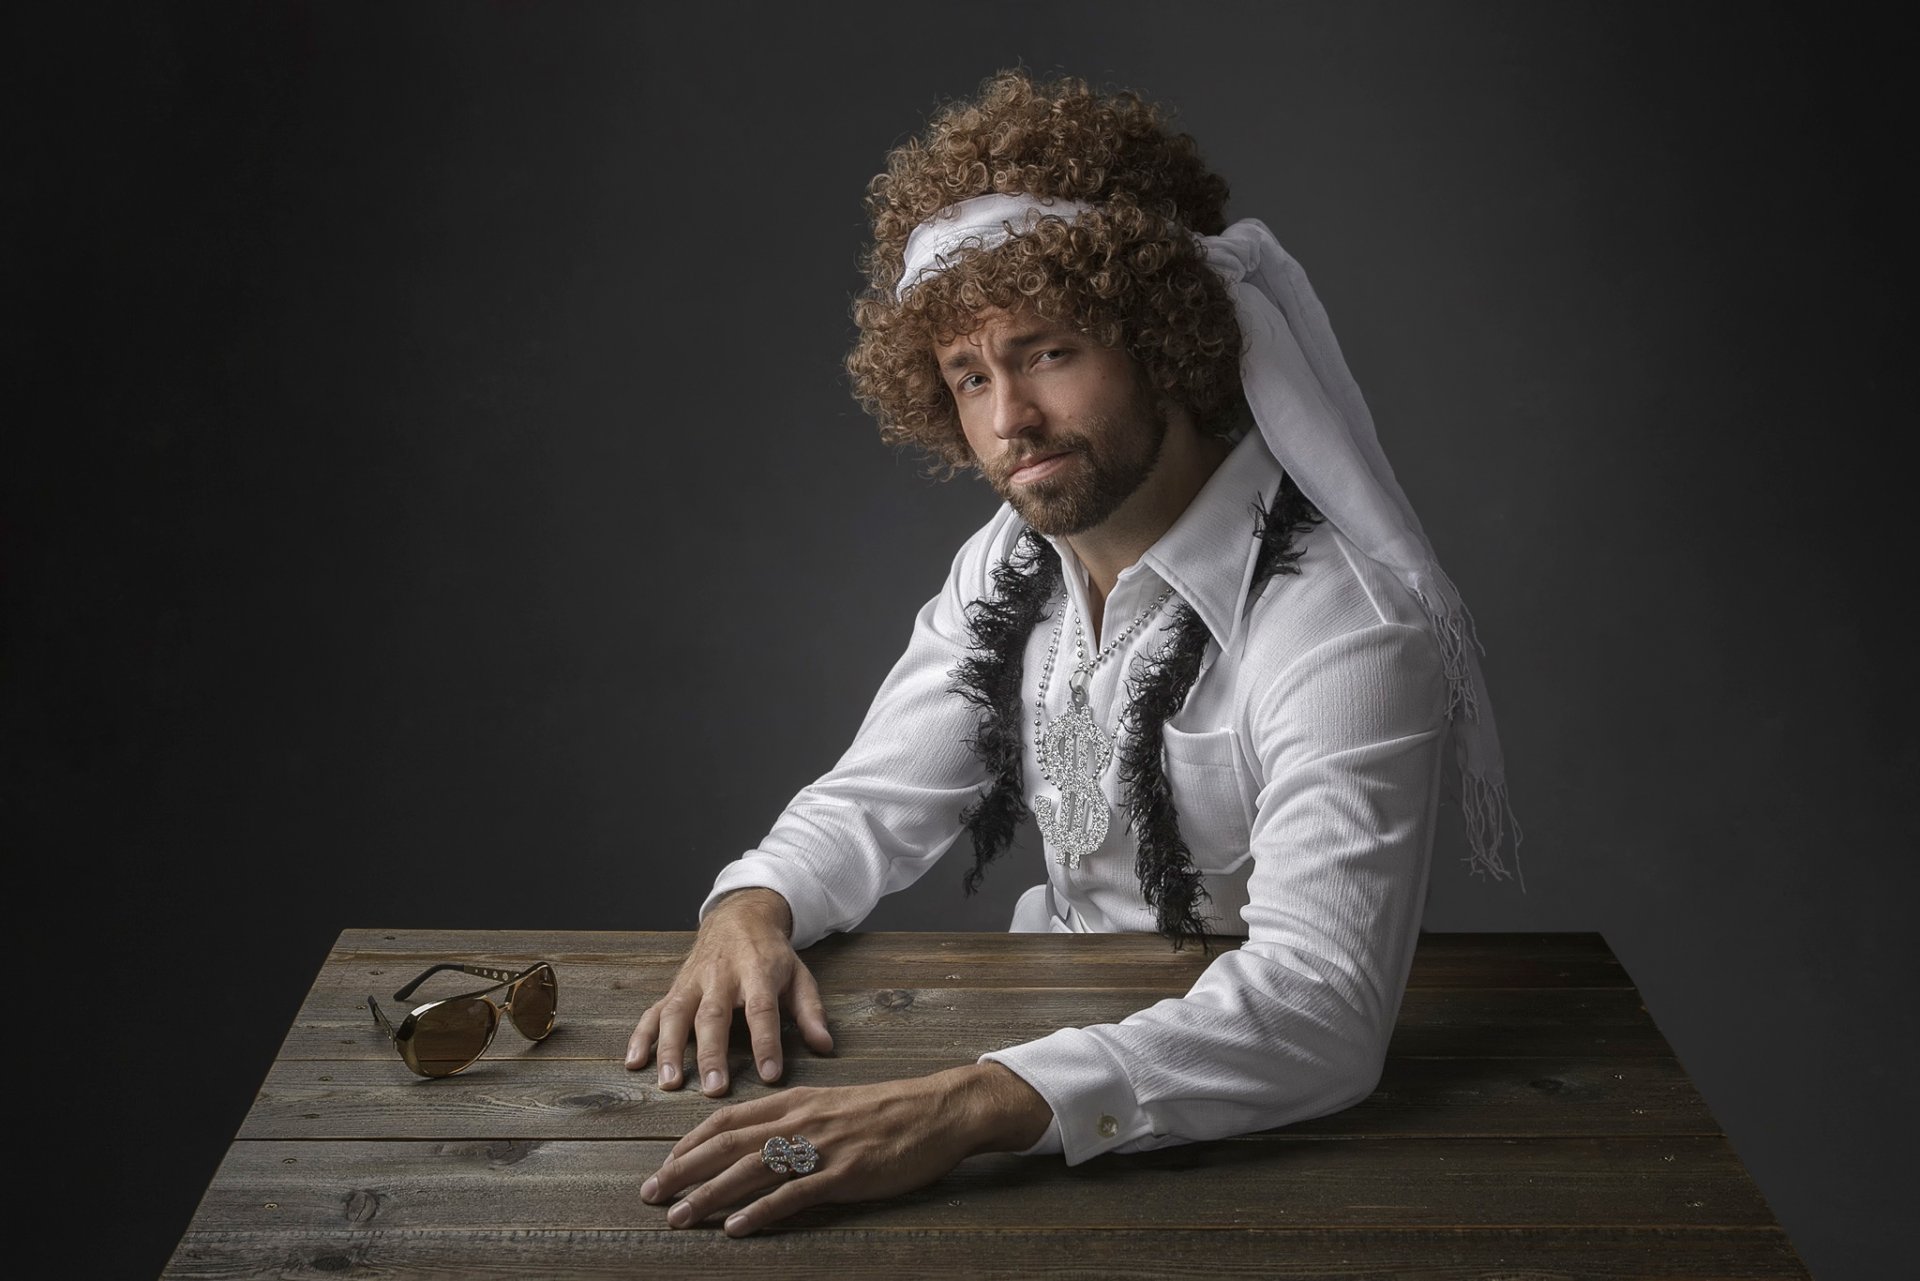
1314 420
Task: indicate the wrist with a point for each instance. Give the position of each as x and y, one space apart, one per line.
1002 1112
769 904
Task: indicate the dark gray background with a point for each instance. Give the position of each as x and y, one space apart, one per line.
435 500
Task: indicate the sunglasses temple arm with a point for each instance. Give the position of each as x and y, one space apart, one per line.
480 971
380 1018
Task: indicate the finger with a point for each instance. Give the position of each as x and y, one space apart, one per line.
727 1134
716 1122
791 1197
712 1024
809 1011
687 1166
738 1116
745 1178
640 1045
763 1023
768 1109
673 1040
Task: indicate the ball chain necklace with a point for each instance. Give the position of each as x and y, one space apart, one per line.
1074 753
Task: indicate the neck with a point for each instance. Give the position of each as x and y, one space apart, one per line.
1187 460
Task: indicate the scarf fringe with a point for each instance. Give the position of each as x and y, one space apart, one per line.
1483 787
1453 628
1489 818
990 677
1157 687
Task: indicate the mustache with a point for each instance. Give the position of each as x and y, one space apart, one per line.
1064 446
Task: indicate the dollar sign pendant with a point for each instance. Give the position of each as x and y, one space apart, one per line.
1073 755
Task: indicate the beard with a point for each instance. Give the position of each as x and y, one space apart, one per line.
1110 460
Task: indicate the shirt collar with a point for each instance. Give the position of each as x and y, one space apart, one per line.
1207 554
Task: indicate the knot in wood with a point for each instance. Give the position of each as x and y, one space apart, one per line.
509 1151
362 1205
593 1100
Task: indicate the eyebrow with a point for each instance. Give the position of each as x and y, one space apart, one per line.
967 355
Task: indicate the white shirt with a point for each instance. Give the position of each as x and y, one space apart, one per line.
1305 769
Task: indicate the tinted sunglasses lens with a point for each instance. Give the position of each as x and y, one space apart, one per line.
534 1002
452 1034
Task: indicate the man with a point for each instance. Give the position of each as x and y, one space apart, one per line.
1204 645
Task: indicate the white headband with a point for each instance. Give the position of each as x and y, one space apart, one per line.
984 222
1315 421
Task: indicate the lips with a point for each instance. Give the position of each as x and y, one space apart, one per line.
1043 465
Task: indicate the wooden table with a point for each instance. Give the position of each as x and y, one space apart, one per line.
1532 1121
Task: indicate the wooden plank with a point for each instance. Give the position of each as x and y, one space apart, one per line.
1531 1117
1759 1254
912 959
1300 1183
529 1096
907 1023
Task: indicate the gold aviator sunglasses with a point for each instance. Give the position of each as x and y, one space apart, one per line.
447 1036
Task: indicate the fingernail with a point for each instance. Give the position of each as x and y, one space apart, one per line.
715 1080
649 1189
769 1069
679 1215
736 1223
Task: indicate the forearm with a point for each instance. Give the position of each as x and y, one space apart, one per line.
1251 1053
842 845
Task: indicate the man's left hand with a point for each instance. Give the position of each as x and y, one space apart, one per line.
875 1141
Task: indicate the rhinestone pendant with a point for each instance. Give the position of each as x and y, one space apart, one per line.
1073 755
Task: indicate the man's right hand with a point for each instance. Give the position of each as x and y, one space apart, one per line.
743 957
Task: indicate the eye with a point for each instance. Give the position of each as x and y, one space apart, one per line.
965 381
1051 353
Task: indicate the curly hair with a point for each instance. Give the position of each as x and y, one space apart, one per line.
1126 273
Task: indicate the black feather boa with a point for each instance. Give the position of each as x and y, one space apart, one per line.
990 678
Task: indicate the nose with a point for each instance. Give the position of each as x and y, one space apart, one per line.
1015 411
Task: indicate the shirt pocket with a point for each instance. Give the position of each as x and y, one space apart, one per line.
1216 816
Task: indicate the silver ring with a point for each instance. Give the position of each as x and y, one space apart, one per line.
790 1156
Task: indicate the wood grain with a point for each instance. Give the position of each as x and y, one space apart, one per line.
1437 1254
532 1097
599 1009
1532 1122
1277 1181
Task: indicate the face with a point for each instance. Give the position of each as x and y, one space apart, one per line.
1065 430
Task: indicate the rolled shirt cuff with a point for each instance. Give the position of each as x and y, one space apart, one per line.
1094 1108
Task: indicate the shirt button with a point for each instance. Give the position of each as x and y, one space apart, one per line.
1108 1127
